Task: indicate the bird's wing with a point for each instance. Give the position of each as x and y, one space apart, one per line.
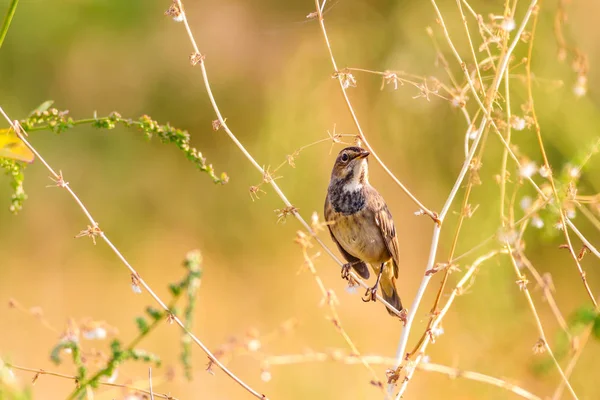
359 266
385 222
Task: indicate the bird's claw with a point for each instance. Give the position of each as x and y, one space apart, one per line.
370 295
346 270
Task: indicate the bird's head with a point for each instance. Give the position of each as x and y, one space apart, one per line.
351 167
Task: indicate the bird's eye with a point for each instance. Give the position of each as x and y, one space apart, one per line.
345 157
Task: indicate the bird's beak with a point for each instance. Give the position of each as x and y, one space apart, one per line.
363 154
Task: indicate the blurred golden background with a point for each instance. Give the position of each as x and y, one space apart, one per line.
271 76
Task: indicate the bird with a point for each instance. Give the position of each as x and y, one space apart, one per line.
361 225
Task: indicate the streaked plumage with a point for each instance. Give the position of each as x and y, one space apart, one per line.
361 224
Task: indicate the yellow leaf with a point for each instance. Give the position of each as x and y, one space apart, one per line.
12 147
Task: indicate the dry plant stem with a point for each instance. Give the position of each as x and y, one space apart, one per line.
97 232
476 376
288 359
464 19
330 299
39 372
456 292
547 293
355 119
571 366
503 65
547 165
522 281
543 196
257 165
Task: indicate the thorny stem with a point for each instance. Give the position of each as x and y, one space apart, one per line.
503 65
256 165
363 138
134 273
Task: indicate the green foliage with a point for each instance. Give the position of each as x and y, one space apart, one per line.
142 325
586 316
120 354
154 313
46 118
14 169
52 119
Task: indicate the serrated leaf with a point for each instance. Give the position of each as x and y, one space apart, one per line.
12 147
42 107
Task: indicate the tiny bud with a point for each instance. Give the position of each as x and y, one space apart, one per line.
265 376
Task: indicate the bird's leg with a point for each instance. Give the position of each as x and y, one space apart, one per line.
346 269
371 293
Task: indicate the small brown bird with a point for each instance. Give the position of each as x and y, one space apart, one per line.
361 224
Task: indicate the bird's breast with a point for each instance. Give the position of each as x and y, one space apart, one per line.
360 236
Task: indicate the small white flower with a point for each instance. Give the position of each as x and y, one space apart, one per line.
571 213
439 331
574 172
425 359
136 288
179 17
96 333
518 123
254 345
537 222
351 289
559 226
526 203
544 172
508 24
580 87
265 376
473 132
528 169
507 236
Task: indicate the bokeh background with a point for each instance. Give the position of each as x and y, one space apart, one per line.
271 76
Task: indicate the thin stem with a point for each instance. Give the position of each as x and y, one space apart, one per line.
547 165
290 359
39 372
260 169
363 138
543 342
102 235
10 13
503 65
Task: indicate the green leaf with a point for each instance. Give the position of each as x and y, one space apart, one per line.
42 107
142 325
154 313
596 328
584 316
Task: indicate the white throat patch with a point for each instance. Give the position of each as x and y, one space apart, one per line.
355 185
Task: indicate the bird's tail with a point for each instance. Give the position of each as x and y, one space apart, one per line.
389 291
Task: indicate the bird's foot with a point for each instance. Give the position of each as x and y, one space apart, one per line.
346 270
370 294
